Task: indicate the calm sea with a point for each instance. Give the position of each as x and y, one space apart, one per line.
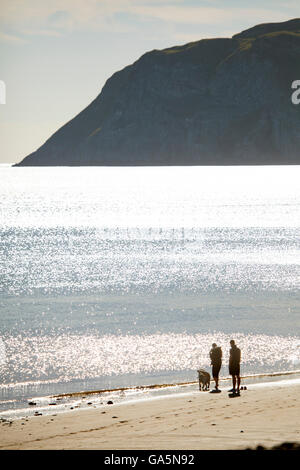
116 277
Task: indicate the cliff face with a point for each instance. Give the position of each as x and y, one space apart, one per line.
210 102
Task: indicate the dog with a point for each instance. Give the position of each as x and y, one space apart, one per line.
204 379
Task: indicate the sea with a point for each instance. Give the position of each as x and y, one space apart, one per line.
118 280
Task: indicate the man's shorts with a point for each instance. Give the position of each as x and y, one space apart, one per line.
234 369
216 369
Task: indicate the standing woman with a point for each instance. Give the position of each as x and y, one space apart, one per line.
215 355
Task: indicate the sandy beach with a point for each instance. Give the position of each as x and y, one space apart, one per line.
265 415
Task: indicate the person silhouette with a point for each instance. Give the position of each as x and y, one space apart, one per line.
234 367
215 355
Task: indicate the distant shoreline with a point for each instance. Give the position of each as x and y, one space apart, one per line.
169 385
81 400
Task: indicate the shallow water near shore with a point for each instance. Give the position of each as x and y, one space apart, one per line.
123 277
64 403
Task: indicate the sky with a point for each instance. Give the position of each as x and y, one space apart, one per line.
56 55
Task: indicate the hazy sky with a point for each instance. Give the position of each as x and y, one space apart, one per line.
57 54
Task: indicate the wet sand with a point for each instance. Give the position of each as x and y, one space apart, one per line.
265 415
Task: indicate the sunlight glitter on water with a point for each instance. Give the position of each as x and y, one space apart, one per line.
107 272
145 197
67 357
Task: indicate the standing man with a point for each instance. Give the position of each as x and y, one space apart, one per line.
215 355
234 367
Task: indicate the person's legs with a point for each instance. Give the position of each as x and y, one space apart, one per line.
233 382
238 383
215 374
216 379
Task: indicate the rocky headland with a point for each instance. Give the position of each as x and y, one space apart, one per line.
224 101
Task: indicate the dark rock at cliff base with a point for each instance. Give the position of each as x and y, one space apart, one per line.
223 101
